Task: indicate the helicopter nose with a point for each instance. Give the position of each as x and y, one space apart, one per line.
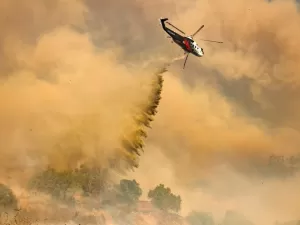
200 52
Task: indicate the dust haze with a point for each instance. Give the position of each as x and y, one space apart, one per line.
62 98
71 81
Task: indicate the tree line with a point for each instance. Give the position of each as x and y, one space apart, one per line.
128 193
95 183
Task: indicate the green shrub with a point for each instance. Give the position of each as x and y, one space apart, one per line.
162 198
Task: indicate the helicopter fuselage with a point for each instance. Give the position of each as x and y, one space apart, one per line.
185 42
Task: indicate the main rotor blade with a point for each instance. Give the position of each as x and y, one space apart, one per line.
175 27
197 31
220 42
185 60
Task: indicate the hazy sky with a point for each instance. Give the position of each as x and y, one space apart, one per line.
71 80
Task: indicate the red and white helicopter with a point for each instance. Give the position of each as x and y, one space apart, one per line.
185 42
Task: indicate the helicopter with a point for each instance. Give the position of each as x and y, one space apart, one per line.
185 42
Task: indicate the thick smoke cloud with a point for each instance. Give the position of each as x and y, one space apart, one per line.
68 91
63 102
240 104
223 116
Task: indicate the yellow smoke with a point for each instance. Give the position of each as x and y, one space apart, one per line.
223 115
63 100
235 106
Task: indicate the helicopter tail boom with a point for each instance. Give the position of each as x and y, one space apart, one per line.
162 21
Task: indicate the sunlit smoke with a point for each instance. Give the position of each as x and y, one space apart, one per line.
68 96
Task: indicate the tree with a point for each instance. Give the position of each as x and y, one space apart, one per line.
54 183
8 200
92 181
128 192
200 218
162 198
61 185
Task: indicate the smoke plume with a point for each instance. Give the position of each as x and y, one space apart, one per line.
64 101
72 89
